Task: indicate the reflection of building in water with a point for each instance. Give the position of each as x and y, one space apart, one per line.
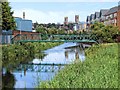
76 55
24 71
66 54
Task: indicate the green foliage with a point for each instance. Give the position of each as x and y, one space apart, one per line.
41 29
8 80
0 15
99 70
105 33
52 30
61 31
13 55
8 22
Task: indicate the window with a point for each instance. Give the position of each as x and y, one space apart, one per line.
107 17
115 21
115 14
111 16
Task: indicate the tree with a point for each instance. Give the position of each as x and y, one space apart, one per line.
104 33
41 29
52 30
8 22
0 18
8 80
35 25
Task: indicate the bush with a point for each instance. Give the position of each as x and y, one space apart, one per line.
13 55
105 33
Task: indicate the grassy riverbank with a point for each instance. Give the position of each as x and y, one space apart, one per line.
99 70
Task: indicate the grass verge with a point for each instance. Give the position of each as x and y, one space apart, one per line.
99 70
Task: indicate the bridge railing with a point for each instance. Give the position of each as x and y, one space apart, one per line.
51 37
40 67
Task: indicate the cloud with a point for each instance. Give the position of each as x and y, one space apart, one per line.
46 16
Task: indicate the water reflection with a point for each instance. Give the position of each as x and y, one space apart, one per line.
61 55
30 73
8 80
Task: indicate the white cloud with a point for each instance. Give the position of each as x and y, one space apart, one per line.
46 16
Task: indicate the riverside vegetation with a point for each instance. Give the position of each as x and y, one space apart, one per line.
99 70
15 54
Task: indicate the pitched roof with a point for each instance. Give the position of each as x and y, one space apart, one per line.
92 16
97 14
103 12
88 18
112 10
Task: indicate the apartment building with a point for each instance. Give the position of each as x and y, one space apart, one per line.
107 16
88 23
118 16
82 26
111 16
66 20
102 14
76 19
92 18
97 16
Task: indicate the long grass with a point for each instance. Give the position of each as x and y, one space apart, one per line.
99 70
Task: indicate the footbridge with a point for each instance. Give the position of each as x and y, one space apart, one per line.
53 38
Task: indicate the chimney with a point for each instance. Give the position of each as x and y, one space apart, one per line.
23 15
66 20
77 19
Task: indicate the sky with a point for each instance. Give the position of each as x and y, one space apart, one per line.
54 12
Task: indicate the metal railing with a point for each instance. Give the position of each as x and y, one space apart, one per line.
53 38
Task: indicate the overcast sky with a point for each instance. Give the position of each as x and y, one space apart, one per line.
54 12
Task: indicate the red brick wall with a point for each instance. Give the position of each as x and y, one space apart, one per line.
28 36
15 32
118 19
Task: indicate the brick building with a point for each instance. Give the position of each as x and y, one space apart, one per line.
76 19
15 32
107 16
66 20
111 16
88 23
118 16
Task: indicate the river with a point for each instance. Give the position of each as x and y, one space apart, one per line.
29 75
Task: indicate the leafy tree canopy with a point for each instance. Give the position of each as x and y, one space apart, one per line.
105 33
8 22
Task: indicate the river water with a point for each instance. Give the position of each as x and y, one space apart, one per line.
31 76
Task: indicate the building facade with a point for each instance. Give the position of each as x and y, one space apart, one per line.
23 24
92 18
107 16
97 16
88 23
66 20
111 16
83 26
102 14
6 37
77 19
118 16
